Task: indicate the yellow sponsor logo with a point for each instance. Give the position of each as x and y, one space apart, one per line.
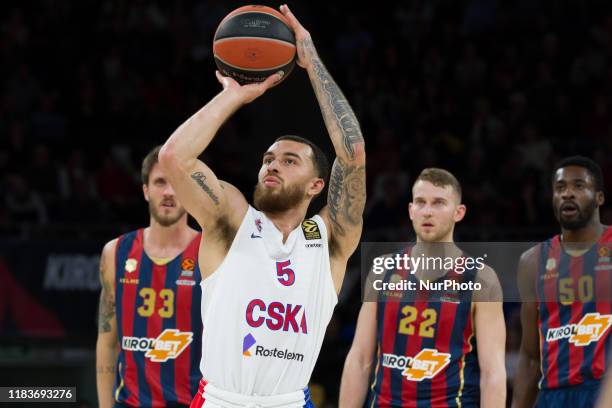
425 365
168 345
589 329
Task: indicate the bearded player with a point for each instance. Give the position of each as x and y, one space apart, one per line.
271 277
565 284
428 350
149 335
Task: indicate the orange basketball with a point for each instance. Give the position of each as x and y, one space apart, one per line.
252 43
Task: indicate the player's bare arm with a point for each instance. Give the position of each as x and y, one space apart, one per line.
217 206
605 397
490 340
106 346
347 193
526 382
360 358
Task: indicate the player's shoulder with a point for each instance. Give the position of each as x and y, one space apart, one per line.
531 255
110 247
490 287
107 260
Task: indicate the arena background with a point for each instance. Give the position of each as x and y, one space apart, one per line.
495 91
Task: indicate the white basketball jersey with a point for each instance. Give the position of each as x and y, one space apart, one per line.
266 308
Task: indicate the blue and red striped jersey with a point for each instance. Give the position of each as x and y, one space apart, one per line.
159 325
575 312
426 349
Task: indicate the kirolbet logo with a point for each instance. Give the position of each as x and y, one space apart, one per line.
168 345
425 365
589 329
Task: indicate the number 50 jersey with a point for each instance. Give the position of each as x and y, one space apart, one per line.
158 323
575 312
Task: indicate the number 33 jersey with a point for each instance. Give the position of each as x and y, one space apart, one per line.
158 323
266 308
575 312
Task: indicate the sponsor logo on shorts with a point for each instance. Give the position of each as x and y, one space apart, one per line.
589 329
168 345
261 351
425 365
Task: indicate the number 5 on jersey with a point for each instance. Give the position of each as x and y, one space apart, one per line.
285 275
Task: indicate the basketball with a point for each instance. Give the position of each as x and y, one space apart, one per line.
252 43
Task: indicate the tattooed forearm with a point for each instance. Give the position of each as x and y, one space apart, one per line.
199 178
346 196
336 110
106 311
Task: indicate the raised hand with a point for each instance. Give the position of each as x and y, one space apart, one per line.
305 47
248 93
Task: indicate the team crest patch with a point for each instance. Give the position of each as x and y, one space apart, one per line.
130 265
311 230
258 224
603 252
551 264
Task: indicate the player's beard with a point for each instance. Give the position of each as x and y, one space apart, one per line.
165 220
582 219
278 200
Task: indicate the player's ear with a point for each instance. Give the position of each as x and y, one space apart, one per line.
459 212
600 199
145 191
317 186
410 210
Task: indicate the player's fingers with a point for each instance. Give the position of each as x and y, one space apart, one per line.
293 22
220 78
273 80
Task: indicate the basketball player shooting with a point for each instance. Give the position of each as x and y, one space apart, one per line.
270 278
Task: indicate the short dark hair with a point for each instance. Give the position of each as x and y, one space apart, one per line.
321 164
440 178
148 162
585 163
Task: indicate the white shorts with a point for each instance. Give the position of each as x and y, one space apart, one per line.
209 396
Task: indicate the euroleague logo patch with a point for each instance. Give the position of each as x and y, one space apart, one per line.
311 230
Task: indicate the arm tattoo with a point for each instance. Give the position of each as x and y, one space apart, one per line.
199 178
106 311
346 196
336 109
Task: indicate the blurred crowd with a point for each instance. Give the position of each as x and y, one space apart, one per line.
494 90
